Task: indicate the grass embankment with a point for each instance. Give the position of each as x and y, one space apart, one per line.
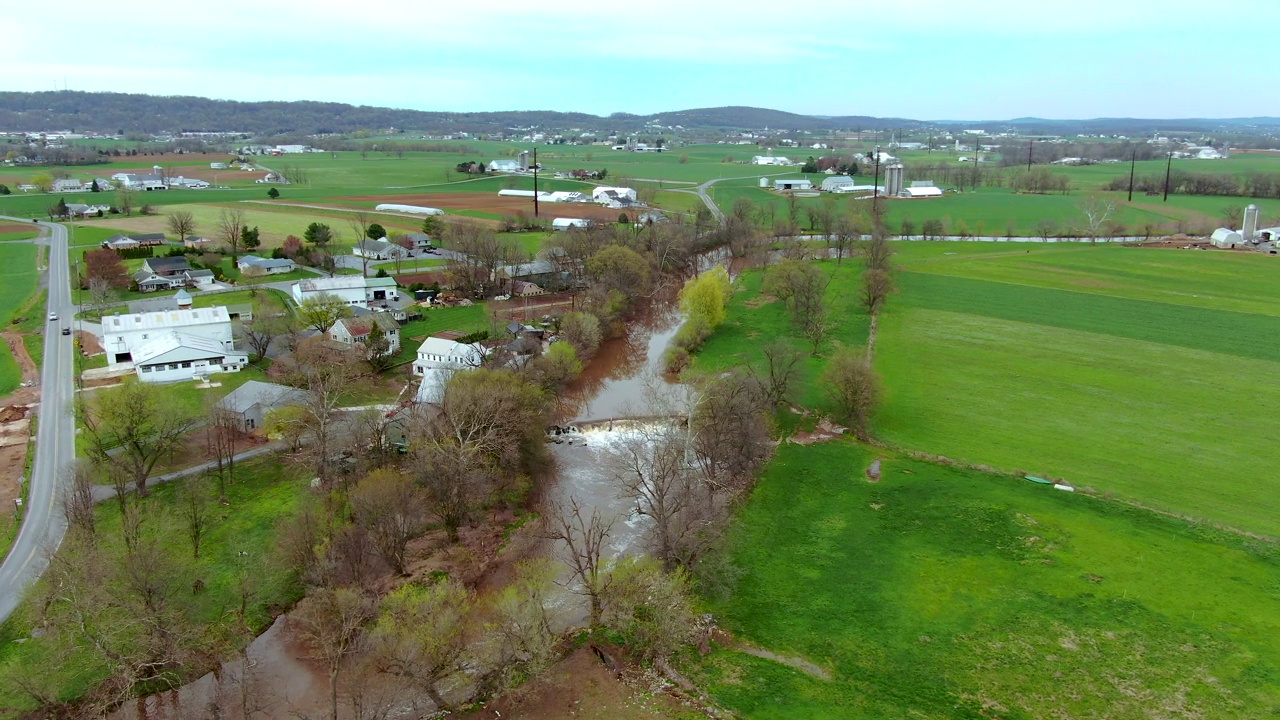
238 542
1146 393
17 283
943 593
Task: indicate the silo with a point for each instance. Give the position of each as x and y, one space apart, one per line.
893 175
764 182
1250 231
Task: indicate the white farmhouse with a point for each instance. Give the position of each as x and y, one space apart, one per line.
604 194
355 290
504 166
122 335
378 250
439 357
352 330
174 356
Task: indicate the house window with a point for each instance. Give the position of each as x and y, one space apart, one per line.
146 368
144 337
186 364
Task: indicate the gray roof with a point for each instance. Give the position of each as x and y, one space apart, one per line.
167 263
255 392
265 263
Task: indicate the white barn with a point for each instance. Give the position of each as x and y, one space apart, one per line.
122 335
1226 238
174 356
836 182
793 184
770 160
357 290
920 192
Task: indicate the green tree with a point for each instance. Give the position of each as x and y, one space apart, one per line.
273 193
249 238
43 181
422 633
318 234
376 231
321 312
432 226
4 189
852 384
707 296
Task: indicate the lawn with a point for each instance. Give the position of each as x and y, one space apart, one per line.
17 283
463 319
943 593
1131 371
239 540
264 300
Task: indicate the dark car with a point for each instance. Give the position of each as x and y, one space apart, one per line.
66 331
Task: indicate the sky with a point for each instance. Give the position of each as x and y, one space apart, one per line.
918 59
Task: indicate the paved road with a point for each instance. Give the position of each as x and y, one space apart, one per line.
44 525
701 192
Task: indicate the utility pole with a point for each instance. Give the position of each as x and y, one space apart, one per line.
1030 144
1132 162
1168 170
875 185
535 182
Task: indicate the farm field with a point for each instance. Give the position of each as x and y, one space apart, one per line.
17 283
944 593
1119 369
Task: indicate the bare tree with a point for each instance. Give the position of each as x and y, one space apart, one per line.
730 433
777 374
260 332
852 384
129 428
584 539
231 225
325 372
360 223
194 510
876 286
843 237
650 467
392 510
77 500
182 223
125 198
877 253
331 621
221 435
1096 210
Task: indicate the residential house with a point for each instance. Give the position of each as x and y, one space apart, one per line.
251 402
123 334
604 194
196 242
148 281
421 241
355 290
166 266
352 330
378 250
651 217
120 242
201 279
441 355
173 356
265 266
69 185
150 239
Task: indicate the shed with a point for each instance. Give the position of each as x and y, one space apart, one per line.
793 184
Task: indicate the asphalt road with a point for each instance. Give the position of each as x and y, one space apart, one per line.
43 524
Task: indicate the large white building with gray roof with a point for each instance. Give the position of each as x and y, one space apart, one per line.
122 335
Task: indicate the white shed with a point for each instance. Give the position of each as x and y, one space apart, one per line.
566 223
793 184
1226 238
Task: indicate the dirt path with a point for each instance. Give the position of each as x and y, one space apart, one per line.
15 420
30 373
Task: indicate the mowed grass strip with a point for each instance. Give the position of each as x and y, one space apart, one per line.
942 593
1240 334
1157 423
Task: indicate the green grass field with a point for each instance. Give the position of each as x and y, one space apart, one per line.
1131 371
463 319
942 593
239 539
17 283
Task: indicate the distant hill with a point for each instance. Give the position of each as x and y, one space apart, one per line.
116 112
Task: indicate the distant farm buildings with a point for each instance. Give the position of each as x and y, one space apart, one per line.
771 160
414 209
792 184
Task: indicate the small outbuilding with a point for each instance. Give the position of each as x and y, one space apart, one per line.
1226 238
791 184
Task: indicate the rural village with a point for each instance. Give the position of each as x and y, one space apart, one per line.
726 413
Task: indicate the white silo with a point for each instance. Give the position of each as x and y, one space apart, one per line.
764 182
1250 231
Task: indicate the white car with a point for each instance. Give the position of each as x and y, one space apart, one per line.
53 317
